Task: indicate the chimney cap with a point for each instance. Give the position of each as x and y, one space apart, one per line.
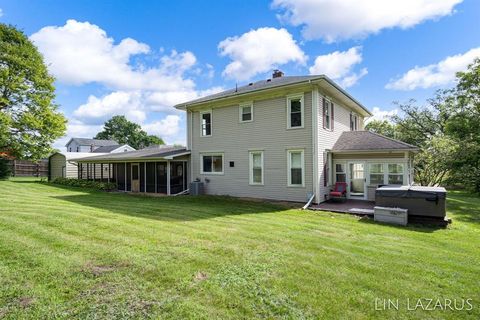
277 73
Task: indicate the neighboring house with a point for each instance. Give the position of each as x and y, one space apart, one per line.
61 166
91 145
284 138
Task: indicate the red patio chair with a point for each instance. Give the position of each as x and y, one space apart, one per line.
339 191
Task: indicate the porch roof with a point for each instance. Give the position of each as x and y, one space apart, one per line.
365 141
149 153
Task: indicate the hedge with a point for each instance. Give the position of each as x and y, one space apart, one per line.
97 185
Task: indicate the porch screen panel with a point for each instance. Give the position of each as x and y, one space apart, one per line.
150 176
120 176
142 177
129 177
161 177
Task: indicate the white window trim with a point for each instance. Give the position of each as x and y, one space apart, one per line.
240 110
289 166
211 123
250 156
302 109
329 108
212 154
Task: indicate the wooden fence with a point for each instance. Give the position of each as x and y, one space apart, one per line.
25 168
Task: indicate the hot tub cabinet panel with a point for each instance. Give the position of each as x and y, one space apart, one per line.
420 201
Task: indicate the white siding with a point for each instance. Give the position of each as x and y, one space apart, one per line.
326 140
268 132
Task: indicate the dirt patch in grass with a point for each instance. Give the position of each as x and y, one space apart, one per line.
200 276
100 269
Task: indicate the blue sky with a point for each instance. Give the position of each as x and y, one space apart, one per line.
138 58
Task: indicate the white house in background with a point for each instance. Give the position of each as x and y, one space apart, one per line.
96 145
60 165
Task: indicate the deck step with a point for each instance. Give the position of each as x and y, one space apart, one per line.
361 211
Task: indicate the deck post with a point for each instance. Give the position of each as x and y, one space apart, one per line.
109 172
101 171
125 177
168 177
94 171
88 171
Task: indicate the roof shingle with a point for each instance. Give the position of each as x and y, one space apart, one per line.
368 141
147 153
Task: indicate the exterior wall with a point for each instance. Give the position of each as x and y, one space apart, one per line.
326 140
368 158
267 132
73 145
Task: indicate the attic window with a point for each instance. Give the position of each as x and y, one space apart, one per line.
353 122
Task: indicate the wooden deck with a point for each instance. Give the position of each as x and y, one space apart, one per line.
360 207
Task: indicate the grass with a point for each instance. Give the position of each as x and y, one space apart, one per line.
74 253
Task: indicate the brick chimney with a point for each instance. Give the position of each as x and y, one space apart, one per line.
277 74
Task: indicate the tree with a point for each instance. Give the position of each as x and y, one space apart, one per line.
383 127
118 128
29 118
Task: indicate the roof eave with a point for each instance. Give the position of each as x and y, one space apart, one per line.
375 150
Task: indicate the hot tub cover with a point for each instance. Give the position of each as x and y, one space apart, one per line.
411 192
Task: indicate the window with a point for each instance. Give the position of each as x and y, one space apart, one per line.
295 111
395 173
295 168
78 149
206 123
376 173
340 174
70 149
327 114
256 167
246 112
211 163
353 122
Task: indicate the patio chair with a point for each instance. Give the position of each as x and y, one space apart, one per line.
339 192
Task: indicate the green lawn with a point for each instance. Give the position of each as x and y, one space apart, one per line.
73 253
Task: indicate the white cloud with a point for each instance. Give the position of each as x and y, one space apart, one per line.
434 75
334 20
1 12
162 101
166 128
81 52
379 114
259 51
339 66
98 110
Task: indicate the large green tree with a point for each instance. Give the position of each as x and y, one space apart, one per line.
29 118
383 127
118 128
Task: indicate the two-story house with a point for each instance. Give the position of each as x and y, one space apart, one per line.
284 138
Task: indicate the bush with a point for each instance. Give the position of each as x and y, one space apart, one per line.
4 168
97 185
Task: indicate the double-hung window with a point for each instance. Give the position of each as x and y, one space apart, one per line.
395 173
211 163
296 165
246 112
295 111
327 114
256 167
376 173
353 122
340 173
206 123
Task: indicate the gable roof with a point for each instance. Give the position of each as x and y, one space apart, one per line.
108 149
153 152
369 141
269 84
95 142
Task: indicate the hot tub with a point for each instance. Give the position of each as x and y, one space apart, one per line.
420 201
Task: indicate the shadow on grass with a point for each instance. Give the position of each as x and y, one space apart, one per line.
464 207
181 208
416 227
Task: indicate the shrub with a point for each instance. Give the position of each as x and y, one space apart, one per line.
4 168
97 185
